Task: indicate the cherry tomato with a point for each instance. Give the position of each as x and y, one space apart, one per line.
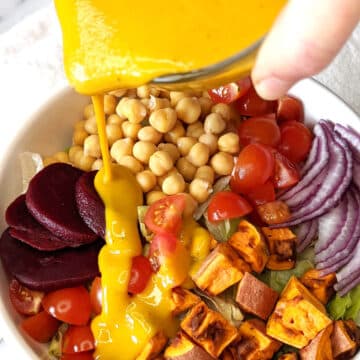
254 166
24 300
164 216
71 305
290 108
230 92
262 194
251 104
286 173
78 339
96 295
140 274
163 244
227 205
79 356
41 327
262 130
295 141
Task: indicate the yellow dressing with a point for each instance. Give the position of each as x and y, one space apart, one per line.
120 44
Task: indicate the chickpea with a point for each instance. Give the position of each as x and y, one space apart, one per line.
73 152
131 93
146 102
160 162
92 146
128 161
132 109
158 103
160 179
154 196
148 133
91 126
142 150
214 124
130 130
89 111
171 149
83 162
195 130
121 148
146 179
205 104
110 103
145 91
176 96
164 94
211 141
79 136
200 190
224 110
222 163
79 125
115 119
97 164
186 168
113 133
163 120
175 133
173 184
205 172
199 154
185 143
118 93
49 160
190 205
229 143
188 110
62 156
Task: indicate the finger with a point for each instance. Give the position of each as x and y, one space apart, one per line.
304 39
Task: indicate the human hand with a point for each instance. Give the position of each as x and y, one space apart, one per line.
304 39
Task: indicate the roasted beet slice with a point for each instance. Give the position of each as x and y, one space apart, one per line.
25 228
47 271
51 201
89 203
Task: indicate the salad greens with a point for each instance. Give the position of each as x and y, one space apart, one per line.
222 230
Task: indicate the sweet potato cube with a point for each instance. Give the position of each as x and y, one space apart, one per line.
208 329
274 212
183 300
298 316
255 297
249 243
154 347
320 347
343 339
322 287
221 269
182 348
288 356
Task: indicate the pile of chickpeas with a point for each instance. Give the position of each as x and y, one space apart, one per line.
174 142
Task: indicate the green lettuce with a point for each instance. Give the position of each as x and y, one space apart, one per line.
223 230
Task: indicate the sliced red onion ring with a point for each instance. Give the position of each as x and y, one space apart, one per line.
306 234
351 137
349 286
356 173
312 159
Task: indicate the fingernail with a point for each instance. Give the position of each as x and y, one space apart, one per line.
272 88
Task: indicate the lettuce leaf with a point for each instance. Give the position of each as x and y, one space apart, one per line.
222 230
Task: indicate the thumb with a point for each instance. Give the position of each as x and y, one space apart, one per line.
304 39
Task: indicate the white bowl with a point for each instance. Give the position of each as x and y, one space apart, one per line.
49 130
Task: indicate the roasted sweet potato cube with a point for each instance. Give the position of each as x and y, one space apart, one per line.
182 348
208 329
255 297
344 339
298 316
274 212
282 248
288 356
154 347
221 269
183 300
249 243
322 287
320 347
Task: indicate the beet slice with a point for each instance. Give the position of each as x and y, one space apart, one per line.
47 271
51 201
90 206
25 228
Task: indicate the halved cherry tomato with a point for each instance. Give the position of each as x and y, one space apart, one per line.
71 305
96 295
24 300
41 327
230 92
164 216
227 205
262 130
163 244
140 274
251 104
286 173
80 356
78 339
290 108
295 141
254 166
262 194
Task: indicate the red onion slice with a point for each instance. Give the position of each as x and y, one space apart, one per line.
356 173
351 137
305 240
354 281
